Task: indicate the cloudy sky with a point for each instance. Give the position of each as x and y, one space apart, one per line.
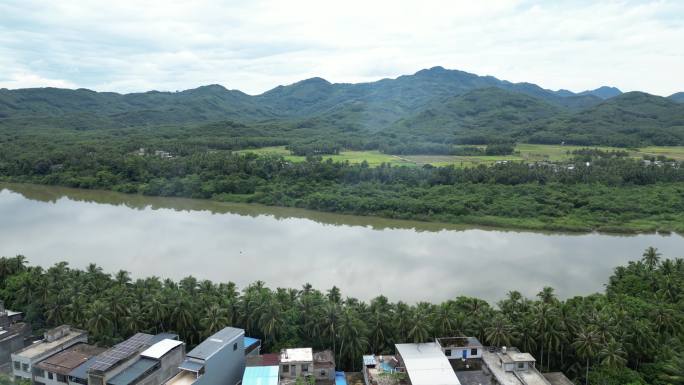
255 45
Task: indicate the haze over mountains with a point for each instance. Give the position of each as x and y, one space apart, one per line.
434 105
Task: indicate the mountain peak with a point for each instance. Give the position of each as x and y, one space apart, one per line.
604 92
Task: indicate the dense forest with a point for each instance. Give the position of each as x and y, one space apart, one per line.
633 334
599 190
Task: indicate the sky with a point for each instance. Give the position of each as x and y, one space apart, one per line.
255 45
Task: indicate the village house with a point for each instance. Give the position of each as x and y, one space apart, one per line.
13 335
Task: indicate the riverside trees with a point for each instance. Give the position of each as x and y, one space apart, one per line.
634 331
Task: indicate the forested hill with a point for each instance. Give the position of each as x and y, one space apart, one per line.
431 106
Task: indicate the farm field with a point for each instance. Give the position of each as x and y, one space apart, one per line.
523 152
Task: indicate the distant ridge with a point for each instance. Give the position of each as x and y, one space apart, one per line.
434 105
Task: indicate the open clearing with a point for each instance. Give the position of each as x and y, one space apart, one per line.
524 152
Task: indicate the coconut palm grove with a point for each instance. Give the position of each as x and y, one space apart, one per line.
633 333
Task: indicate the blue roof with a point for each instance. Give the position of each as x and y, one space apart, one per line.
261 375
249 341
81 371
134 372
340 378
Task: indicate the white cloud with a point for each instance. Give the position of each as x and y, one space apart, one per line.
253 46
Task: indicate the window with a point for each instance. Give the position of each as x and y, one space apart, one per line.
235 346
286 368
17 365
38 372
521 365
447 352
50 375
305 368
322 372
61 378
473 352
25 367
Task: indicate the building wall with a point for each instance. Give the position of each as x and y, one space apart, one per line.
11 344
295 369
227 366
169 367
25 361
457 353
46 380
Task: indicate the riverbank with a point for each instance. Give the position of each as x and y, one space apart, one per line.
531 207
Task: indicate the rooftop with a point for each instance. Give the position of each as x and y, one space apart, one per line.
426 364
215 343
131 374
82 370
121 351
67 360
464 342
263 360
261 375
249 341
296 355
530 377
557 378
182 378
515 356
160 349
324 357
40 348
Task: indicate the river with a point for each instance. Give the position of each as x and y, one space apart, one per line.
364 256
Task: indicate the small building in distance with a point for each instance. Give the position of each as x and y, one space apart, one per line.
304 363
54 341
218 360
462 352
55 369
13 335
512 367
252 346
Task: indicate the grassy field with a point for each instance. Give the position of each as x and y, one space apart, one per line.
523 152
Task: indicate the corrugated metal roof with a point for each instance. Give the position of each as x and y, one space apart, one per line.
134 372
69 359
216 342
82 370
159 349
426 364
260 375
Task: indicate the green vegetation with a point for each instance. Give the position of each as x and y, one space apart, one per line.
343 147
631 334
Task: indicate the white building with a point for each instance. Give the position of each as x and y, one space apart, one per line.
426 364
55 341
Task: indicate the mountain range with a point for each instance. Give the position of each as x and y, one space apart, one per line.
434 105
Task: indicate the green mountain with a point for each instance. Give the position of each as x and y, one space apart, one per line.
678 97
434 105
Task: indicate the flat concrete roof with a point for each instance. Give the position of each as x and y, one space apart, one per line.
531 377
43 347
296 355
513 356
426 364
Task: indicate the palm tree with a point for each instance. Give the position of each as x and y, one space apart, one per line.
612 355
673 371
214 320
420 327
499 332
587 344
271 321
651 257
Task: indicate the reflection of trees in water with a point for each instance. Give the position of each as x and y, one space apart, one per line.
52 194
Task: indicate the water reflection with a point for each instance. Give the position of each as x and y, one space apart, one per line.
405 260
